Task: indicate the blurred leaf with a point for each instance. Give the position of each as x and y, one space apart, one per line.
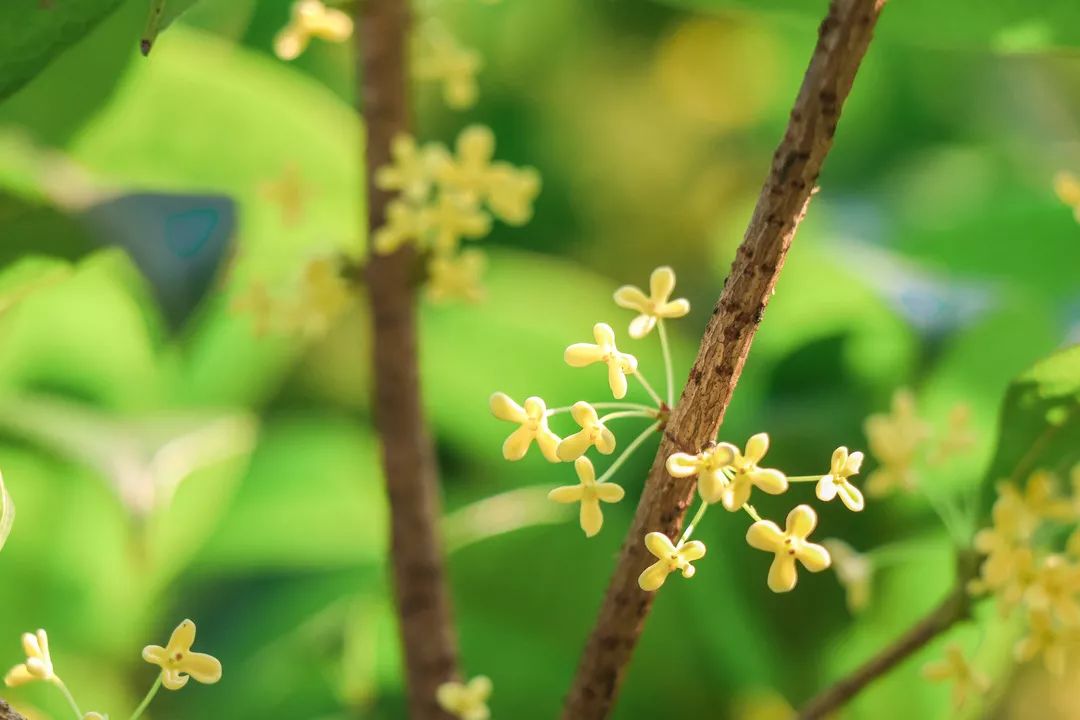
26 275
7 513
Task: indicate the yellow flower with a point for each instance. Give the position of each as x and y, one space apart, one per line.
1045 638
894 440
1054 589
619 364
748 475
404 222
669 559
789 545
589 493
288 193
324 295
956 669
310 18
94 716
456 277
654 306
709 466
844 465
412 172
534 426
452 217
508 191
38 665
256 302
854 571
958 437
511 192
593 432
467 701
1042 500
443 59
1067 187
178 662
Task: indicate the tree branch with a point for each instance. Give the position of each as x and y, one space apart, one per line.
408 457
8 713
843 38
953 609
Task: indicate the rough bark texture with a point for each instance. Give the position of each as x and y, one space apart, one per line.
843 39
7 713
953 609
408 457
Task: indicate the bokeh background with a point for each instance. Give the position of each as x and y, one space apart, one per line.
170 458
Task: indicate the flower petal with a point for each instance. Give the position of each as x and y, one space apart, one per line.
567 494
659 545
582 354
479 688
839 458
610 492
674 309
735 494
535 408
604 335
504 408
661 283
155 654
632 298
616 380
771 481
548 442
851 496
782 574
590 516
585 471
173 680
801 521
814 558
693 550
641 326
584 414
183 637
18 675
574 446
653 576
517 444
826 488
30 645
605 441
853 464
765 535
756 447
476 144
204 668
682 465
711 486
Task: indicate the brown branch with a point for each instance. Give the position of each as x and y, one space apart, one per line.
8 713
953 609
423 604
843 39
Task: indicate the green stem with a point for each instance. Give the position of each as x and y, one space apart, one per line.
666 350
627 452
627 414
693 523
648 388
803 478
605 406
146 700
69 697
751 512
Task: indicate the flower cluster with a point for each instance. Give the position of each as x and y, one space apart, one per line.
467 701
320 296
444 198
956 668
1067 187
1023 569
724 473
439 57
177 662
311 19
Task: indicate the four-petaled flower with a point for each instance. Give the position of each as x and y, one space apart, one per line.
894 440
1045 638
412 172
310 18
670 557
1067 187
589 493
467 701
843 466
534 426
442 58
1054 589
38 665
747 473
592 432
405 222
619 364
178 663
789 545
456 277
708 465
452 217
654 306
508 191
955 667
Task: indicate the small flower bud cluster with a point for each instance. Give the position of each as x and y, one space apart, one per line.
308 307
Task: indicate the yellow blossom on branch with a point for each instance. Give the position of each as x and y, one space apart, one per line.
405 223
656 305
895 440
451 217
747 473
466 701
670 557
509 191
1047 638
837 482
1067 187
441 58
619 364
456 277
789 545
1054 589
311 19
708 465
589 493
955 668
178 663
38 665
593 433
412 172
534 426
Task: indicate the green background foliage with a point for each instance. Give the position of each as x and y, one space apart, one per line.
936 257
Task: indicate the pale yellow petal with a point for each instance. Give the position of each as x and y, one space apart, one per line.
801 521
504 408
756 447
782 574
535 407
693 550
632 298
479 688
334 25
682 465
853 464
31 647
605 441
590 516
548 442
674 309
661 283
290 43
476 144
173 680
18 675
609 492
155 654
814 558
616 381
839 457
641 326
654 576
711 486
517 444
450 695
183 637
852 497
582 354
585 471
735 494
204 668
566 494
826 488
771 481
659 545
584 414
604 335
574 446
765 535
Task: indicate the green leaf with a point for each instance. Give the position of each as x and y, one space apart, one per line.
7 513
27 275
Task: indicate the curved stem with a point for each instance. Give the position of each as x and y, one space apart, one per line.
69 697
605 406
148 699
628 451
751 512
803 478
648 388
668 371
628 414
689 531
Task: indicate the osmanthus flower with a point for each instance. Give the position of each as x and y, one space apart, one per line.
837 482
1067 187
441 58
619 364
669 558
1054 589
534 426
708 465
789 545
451 217
467 701
956 669
38 665
456 277
1010 561
177 661
324 295
404 223
1042 499
1047 638
895 440
592 433
656 305
589 493
855 572
511 192
508 191
748 474
311 19
412 172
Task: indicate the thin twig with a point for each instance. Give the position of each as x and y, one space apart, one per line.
8 713
423 604
953 609
843 39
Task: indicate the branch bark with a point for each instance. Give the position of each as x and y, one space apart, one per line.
8 713
843 38
953 609
408 458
